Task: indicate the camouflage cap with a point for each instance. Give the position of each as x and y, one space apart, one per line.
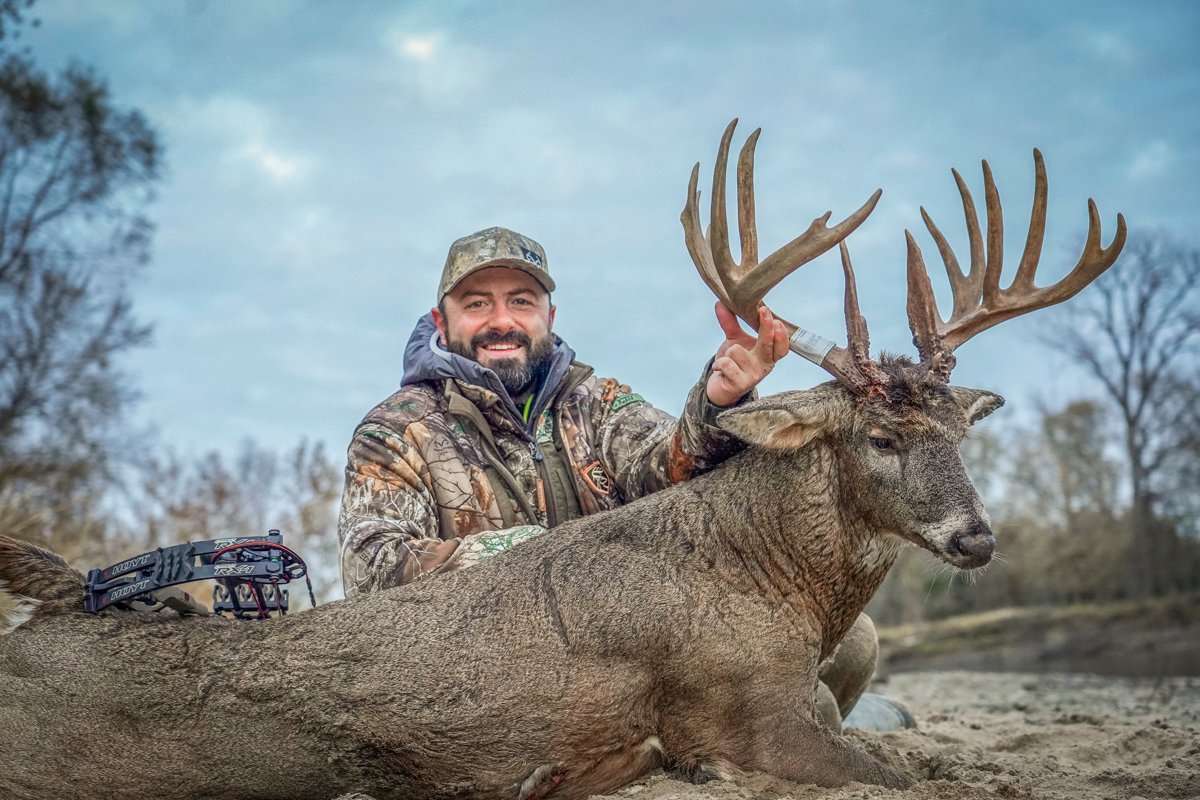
494 247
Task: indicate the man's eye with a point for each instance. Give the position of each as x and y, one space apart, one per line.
882 443
521 301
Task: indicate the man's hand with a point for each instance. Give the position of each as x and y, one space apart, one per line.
744 360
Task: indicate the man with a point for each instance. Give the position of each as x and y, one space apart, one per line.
498 434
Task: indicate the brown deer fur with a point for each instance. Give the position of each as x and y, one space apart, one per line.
683 630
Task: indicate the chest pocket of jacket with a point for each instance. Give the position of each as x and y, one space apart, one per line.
559 483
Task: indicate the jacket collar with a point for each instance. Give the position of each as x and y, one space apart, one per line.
426 360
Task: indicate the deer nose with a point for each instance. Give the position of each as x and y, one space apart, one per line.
976 544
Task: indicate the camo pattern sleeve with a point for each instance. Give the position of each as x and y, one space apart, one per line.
482 546
388 524
646 449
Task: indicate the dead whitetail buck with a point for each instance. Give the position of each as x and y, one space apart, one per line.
683 630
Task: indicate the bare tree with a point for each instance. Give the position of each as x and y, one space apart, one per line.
75 176
13 15
1137 334
311 486
1075 440
1182 500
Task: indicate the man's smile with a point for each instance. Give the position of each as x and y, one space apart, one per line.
501 347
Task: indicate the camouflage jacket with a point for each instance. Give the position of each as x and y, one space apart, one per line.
447 458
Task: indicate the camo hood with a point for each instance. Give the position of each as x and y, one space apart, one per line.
426 360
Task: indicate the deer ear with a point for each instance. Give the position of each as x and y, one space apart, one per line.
975 403
787 421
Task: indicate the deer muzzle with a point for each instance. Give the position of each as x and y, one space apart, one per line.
974 547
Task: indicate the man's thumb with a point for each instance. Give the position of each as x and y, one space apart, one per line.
728 321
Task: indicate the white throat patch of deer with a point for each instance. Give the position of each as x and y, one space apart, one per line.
684 630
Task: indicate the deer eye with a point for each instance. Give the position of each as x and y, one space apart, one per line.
882 443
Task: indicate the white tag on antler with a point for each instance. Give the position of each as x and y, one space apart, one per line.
810 346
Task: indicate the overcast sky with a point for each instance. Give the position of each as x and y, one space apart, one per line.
322 156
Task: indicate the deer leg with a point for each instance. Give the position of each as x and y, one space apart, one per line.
786 742
827 707
769 723
541 782
849 671
699 772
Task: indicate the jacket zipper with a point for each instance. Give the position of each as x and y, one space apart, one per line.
539 462
539 459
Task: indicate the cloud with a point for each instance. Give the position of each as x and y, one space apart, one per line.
441 70
1109 46
247 132
1151 161
414 47
276 165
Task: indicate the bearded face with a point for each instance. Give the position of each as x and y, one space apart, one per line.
500 318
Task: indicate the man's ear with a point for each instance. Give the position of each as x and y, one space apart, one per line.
787 421
975 403
440 322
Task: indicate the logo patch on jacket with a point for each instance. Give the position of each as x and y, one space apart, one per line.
596 477
627 400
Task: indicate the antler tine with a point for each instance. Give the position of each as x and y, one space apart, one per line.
746 225
858 338
959 283
718 230
696 244
995 239
973 235
923 317
851 365
1037 227
865 373
1095 258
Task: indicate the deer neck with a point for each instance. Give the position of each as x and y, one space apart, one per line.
791 531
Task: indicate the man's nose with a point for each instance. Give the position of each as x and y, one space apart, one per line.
501 319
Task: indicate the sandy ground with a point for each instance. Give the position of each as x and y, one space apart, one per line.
1014 736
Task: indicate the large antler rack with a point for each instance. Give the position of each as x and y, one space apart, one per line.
742 286
979 302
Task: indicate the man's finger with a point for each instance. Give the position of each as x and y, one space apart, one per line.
743 358
729 322
727 367
781 340
765 348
